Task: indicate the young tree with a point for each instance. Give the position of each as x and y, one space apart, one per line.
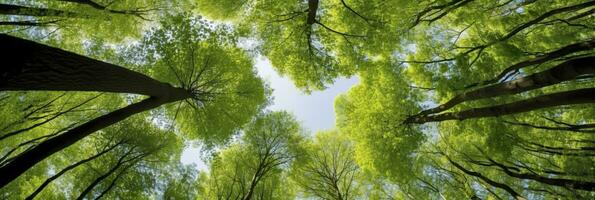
252 168
329 170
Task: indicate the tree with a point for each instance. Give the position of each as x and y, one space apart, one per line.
204 86
330 171
78 20
252 168
313 42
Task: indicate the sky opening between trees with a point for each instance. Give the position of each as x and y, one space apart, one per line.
455 99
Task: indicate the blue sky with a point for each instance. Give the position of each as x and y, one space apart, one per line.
315 111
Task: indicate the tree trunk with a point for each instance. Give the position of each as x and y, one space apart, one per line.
577 47
66 169
566 71
28 159
97 6
33 66
312 8
28 23
580 96
87 2
7 9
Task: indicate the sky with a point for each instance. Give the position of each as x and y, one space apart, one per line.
314 111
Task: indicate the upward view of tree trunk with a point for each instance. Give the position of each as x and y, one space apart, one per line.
8 9
28 159
312 8
580 96
38 66
428 81
32 66
566 71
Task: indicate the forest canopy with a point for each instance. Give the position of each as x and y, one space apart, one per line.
456 99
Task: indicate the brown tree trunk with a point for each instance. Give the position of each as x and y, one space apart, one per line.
28 159
33 66
580 96
566 71
576 47
312 8
7 9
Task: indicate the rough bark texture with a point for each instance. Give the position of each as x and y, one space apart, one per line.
7 9
566 71
573 48
33 66
580 96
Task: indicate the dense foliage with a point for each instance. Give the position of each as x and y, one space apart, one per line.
457 99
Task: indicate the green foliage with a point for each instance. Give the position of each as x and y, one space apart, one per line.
329 170
193 56
409 56
256 165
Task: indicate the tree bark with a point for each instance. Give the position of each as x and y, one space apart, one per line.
566 71
580 96
577 47
33 66
312 8
7 9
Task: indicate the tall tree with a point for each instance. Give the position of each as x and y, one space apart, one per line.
211 88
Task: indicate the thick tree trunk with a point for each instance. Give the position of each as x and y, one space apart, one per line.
28 159
32 66
566 71
66 169
573 48
312 8
580 96
7 9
